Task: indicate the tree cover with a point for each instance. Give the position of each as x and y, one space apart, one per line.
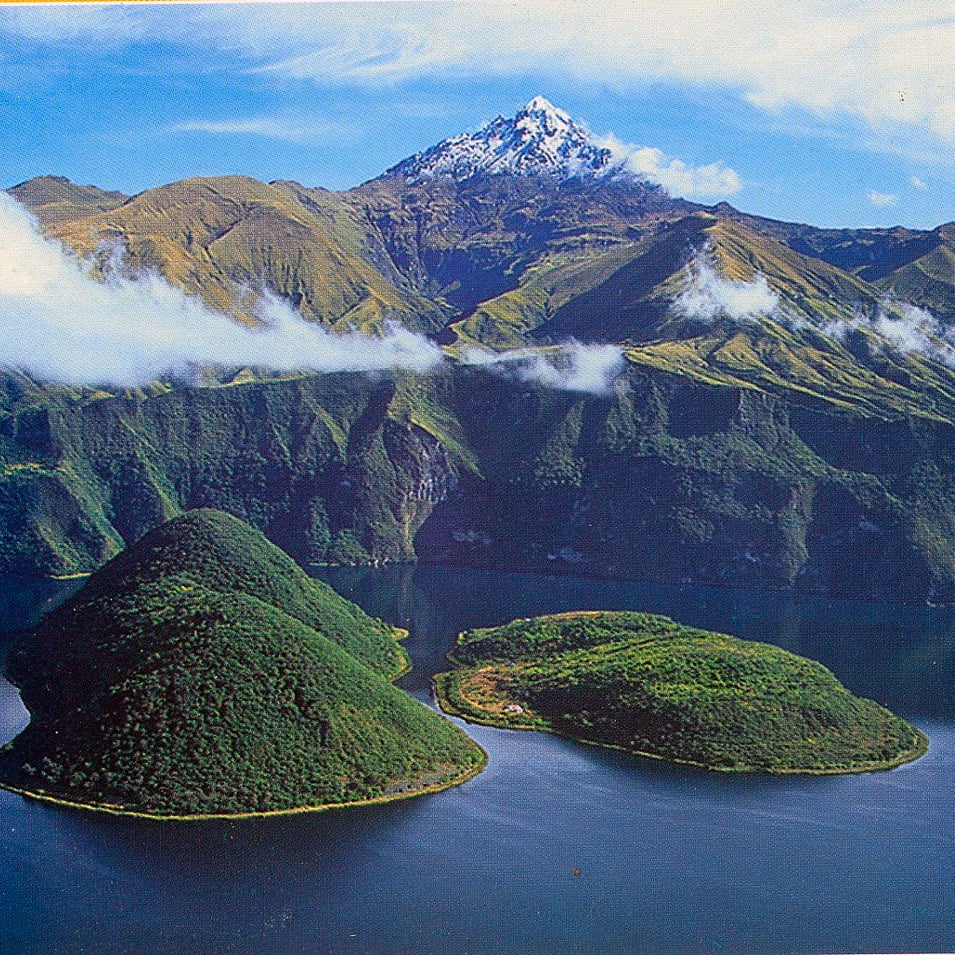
202 672
648 685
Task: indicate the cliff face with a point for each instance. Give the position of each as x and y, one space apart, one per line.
330 467
785 419
666 478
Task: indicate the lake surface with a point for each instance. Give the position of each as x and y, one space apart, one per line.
670 859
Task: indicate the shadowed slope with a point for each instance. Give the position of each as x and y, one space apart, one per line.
202 673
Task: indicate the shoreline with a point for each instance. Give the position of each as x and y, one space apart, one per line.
448 701
397 635
559 570
117 810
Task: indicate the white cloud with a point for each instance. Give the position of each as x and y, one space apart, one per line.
589 369
711 181
917 183
271 127
884 61
59 24
708 296
882 198
904 328
61 325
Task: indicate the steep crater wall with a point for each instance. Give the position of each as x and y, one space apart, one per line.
663 479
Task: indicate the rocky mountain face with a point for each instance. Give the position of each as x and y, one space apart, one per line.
540 141
786 404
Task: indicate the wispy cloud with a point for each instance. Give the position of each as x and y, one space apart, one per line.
903 328
917 183
271 127
882 60
882 198
588 369
711 181
62 325
60 24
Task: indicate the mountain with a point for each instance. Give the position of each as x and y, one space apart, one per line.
201 672
540 141
781 409
55 198
219 238
706 462
628 293
655 688
436 241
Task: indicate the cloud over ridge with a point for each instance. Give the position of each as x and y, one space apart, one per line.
708 296
572 366
904 328
61 325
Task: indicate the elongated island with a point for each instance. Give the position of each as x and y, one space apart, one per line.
202 673
648 685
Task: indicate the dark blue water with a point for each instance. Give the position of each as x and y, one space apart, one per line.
670 860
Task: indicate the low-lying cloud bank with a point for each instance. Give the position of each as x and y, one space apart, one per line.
60 324
708 296
901 327
589 369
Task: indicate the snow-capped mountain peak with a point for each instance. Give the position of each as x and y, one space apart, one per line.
540 140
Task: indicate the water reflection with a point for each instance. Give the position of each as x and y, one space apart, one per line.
902 656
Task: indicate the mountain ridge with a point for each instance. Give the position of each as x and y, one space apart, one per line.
446 231
743 339
540 140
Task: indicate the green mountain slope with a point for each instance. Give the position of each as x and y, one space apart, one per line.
201 672
761 451
627 293
913 265
688 470
223 554
231 238
469 241
928 280
653 687
494 259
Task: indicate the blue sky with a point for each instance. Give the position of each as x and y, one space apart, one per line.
839 113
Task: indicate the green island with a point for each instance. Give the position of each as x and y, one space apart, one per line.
202 673
648 685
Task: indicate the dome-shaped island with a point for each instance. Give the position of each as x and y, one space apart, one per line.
648 685
202 672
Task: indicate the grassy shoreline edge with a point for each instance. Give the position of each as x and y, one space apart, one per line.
446 687
114 810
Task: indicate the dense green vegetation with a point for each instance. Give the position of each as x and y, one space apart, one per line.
764 453
651 686
201 672
669 477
